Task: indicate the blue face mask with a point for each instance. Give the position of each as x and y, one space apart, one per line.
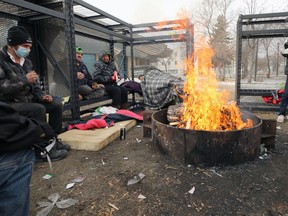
22 52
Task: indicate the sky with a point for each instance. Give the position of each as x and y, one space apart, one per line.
143 11
146 11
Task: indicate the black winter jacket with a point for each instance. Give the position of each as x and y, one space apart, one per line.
103 71
60 78
87 80
19 132
14 86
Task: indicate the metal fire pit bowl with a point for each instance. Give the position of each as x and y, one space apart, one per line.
208 148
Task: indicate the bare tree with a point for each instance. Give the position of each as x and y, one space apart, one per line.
166 62
220 44
208 12
206 15
267 43
213 17
223 7
251 7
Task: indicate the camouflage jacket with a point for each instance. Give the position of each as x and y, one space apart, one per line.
103 71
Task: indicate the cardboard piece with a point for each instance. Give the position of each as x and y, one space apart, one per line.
94 140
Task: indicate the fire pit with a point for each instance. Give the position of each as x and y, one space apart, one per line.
207 148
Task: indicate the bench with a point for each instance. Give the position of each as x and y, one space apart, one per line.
257 105
95 102
91 103
256 92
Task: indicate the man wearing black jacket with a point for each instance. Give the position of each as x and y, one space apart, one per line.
20 88
17 136
87 89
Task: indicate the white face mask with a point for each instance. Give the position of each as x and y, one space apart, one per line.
22 52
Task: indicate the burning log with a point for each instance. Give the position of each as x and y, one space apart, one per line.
229 119
174 114
175 123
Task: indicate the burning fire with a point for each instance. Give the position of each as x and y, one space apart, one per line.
205 107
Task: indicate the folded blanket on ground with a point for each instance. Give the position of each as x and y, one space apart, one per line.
102 121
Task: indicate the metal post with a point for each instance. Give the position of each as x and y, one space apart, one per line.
125 61
132 57
238 59
256 60
41 59
111 46
189 41
70 35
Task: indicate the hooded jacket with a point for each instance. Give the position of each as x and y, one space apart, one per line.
14 86
103 71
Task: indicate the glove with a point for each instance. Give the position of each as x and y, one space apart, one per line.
115 76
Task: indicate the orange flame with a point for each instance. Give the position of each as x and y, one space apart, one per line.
205 107
178 26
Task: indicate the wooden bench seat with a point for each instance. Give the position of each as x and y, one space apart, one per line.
91 103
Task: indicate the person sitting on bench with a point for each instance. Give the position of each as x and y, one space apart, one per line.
105 72
87 89
20 88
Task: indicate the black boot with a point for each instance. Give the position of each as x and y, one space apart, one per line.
43 148
56 154
62 146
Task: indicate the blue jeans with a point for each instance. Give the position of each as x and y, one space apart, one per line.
15 176
284 101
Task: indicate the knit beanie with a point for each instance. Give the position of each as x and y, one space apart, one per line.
103 53
79 49
18 35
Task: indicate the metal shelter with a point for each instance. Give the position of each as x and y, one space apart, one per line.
250 29
57 25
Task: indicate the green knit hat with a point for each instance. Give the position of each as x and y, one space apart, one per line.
79 49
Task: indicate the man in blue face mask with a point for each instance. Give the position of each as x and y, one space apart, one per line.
20 88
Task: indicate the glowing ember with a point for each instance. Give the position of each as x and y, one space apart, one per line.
205 107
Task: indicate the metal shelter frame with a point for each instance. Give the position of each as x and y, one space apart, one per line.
86 20
269 25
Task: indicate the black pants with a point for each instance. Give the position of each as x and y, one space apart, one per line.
39 110
119 94
284 101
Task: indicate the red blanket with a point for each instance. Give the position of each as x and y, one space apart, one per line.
106 120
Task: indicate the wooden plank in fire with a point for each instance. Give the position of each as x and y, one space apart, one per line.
174 114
